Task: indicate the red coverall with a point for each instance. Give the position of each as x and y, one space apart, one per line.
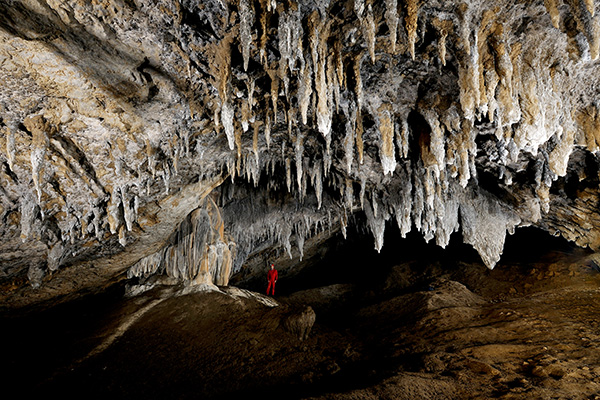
272 278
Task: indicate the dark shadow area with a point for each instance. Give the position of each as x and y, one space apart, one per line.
354 260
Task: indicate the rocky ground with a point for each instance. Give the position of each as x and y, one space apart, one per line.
434 324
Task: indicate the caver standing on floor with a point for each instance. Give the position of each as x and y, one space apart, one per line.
271 278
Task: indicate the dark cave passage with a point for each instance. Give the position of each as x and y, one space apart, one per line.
353 259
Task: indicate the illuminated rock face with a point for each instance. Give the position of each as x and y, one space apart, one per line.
120 117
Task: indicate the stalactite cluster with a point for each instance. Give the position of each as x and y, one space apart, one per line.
435 116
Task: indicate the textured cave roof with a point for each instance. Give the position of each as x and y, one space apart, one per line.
283 121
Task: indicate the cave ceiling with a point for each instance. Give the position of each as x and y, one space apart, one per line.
278 121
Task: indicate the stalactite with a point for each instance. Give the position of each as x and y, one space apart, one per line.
122 236
246 21
245 116
368 24
469 82
128 211
274 93
484 57
418 197
443 27
255 142
316 176
359 141
27 208
166 177
112 210
552 8
332 82
288 174
10 147
583 11
411 19
588 120
324 106
387 147
359 7
402 137
285 48
268 130
437 142
484 224
339 63
349 194
40 142
349 140
358 89
305 91
262 54
465 147
238 142
299 155
403 202
227 119
391 19
377 226
363 187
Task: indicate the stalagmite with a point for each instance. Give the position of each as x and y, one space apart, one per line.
201 252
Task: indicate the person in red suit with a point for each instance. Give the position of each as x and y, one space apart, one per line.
272 278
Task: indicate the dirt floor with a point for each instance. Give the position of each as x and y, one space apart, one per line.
417 329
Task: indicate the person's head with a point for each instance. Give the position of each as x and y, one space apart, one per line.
272 266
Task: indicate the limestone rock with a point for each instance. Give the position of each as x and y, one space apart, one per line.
300 322
299 117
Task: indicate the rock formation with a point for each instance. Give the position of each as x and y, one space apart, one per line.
186 136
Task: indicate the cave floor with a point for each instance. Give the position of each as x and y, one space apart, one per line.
521 331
